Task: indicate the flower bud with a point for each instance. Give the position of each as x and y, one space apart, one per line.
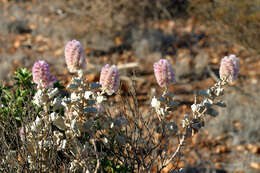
74 56
163 72
41 74
109 79
229 68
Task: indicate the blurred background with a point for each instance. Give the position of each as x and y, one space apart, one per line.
192 34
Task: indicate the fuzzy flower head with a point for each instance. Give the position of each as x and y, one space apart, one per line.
229 68
74 56
109 79
163 72
41 74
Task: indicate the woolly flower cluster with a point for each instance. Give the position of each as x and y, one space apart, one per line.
229 68
74 56
109 79
163 73
41 74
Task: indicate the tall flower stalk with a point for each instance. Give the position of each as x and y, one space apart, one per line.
74 56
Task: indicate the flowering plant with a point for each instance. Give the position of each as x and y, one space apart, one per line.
79 128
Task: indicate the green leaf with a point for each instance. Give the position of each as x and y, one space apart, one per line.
162 99
169 95
18 118
221 104
73 86
172 128
8 95
90 109
94 85
203 93
91 102
23 77
173 104
19 100
212 112
58 85
17 93
24 93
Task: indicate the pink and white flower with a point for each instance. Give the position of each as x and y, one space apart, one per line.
163 72
229 68
74 56
41 74
109 79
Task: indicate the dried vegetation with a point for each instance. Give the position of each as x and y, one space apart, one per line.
231 20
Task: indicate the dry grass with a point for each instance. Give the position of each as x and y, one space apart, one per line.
231 20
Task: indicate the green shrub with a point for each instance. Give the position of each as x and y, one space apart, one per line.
15 98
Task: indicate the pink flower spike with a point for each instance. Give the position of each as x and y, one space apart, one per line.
229 68
41 74
163 72
109 79
74 56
